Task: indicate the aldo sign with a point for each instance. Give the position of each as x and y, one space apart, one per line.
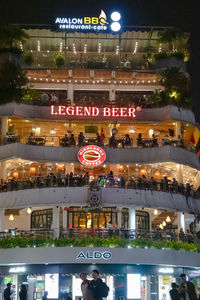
94 255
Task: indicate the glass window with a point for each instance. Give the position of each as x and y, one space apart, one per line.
42 219
142 220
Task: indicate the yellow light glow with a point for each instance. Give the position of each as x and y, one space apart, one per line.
155 212
164 223
29 210
168 219
11 217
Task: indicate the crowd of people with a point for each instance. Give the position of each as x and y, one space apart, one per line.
109 180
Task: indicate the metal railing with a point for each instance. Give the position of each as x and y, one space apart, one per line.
157 235
119 142
102 181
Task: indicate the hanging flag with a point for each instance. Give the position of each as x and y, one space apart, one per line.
102 135
192 140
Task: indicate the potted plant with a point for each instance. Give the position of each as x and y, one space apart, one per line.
59 60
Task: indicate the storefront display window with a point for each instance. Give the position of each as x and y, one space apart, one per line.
81 218
142 220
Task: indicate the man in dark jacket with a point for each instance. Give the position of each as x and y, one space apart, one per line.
174 292
187 289
7 292
96 285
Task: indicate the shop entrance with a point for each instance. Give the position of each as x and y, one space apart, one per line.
76 286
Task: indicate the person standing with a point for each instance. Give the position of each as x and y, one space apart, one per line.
187 289
86 292
45 295
23 292
174 292
7 292
98 287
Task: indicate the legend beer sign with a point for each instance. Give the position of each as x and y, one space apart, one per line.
95 112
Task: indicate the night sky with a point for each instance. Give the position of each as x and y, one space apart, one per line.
184 14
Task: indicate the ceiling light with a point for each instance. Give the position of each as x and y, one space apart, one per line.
29 210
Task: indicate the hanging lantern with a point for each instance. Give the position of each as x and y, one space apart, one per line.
15 174
120 167
60 167
11 217
168 219
155 212
164 223
29 210
161 226
33 170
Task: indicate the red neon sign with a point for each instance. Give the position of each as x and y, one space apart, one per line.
91 156
93 111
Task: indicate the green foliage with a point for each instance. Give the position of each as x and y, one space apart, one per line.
28 58
170 36
13 50
59 60
112 242
11 35
164 55
173 80
30 95
12 80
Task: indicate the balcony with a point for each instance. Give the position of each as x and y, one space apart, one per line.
113 156
147 114
21 194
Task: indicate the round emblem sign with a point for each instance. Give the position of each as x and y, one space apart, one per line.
91 156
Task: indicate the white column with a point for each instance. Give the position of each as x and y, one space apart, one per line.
56 221
70 92
182 221
1 219
132 218
112 92
179 173
4 126
3 170
178 130
119 217
65 215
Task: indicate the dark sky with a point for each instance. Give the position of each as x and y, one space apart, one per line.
183 13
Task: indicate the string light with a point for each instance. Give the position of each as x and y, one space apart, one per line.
85 48
160 48
61 47
135 49
117 50
99 48
38 46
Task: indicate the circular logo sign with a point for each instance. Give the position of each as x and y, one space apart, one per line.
91 156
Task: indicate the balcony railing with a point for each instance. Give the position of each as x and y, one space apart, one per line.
102 181
118 142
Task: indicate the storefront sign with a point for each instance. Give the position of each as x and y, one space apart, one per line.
166 270
92 111
94 255
91 156
94 23
17 270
